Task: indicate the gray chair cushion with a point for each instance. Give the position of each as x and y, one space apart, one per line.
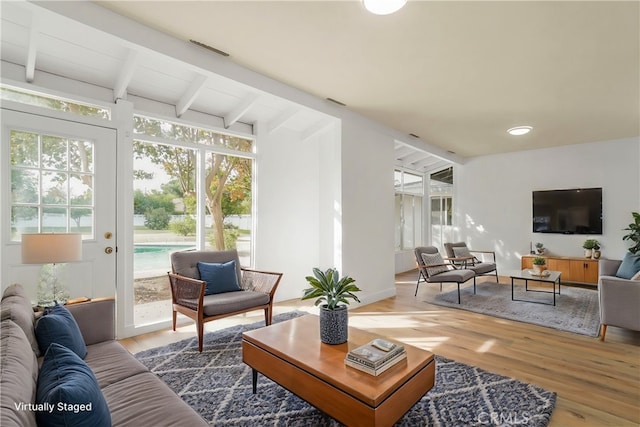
458 276
482 268
434 259
233 301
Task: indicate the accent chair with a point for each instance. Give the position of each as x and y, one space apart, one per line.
210 285
460 254
618 297
432 268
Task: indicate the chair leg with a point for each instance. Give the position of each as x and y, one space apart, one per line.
200 335
474 285
418 282
175 315
458 292
603 331
268 315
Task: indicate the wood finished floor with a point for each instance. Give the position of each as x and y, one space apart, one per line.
598 383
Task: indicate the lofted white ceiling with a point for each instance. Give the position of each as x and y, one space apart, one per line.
454 74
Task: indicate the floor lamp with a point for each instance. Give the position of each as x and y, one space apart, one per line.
51 249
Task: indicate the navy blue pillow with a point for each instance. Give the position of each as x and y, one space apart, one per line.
70 389
629 267
58 326
219 277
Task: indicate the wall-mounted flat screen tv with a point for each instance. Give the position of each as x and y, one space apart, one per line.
575 211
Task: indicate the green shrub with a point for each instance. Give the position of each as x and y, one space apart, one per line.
156 219
230 238
183 227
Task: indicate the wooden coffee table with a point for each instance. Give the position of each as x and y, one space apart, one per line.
292 355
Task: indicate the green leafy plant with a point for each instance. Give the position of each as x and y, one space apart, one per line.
539 245
590 244
539 261
634 236
329 288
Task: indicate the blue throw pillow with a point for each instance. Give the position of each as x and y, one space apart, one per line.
58 326
219 277
69 392
629 267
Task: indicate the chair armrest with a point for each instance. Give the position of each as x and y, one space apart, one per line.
608 267
187 291
260 281
96 319
492 253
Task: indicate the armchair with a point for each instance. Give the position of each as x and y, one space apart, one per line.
257 289
433 269
619 298
479 266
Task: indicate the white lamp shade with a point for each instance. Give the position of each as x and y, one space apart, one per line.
51 248
383 7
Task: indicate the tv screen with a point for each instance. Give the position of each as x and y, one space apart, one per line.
577 211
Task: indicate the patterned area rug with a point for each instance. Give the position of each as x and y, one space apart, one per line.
217 384
576 309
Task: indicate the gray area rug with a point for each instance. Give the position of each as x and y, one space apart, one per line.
217 384
576 309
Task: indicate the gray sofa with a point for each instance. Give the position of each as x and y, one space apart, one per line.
135 396
619 298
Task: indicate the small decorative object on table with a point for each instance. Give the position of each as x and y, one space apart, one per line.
540 248
376 356
539 265
589 245
334 291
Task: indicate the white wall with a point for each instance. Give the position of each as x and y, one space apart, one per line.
287 209
493 197
367 209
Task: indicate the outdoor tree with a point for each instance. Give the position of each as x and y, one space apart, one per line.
227 179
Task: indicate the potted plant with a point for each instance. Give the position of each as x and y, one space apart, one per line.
332 294
588 246
539 265
596 251
540 248
634 234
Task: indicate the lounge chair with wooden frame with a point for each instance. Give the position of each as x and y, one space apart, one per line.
461 255
257 289
432 268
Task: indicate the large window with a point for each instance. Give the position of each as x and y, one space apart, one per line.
441 198
192 189
54 103
409 191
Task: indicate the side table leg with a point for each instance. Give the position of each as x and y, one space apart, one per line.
512 289
255 380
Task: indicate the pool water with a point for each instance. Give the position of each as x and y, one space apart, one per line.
154 259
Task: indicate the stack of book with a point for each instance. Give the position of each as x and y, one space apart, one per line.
376 356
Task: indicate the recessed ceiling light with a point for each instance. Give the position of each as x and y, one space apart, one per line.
383 7
519 130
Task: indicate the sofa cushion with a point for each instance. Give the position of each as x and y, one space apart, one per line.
17 307
58 326
228 302
434 259
68 387
629 267
220 277
111 362
144 400
18 376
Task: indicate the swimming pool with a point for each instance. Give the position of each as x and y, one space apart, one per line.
153 258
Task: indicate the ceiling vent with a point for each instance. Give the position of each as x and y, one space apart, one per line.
336 102
212 49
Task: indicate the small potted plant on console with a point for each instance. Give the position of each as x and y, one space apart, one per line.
539 265
540 248
588 246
